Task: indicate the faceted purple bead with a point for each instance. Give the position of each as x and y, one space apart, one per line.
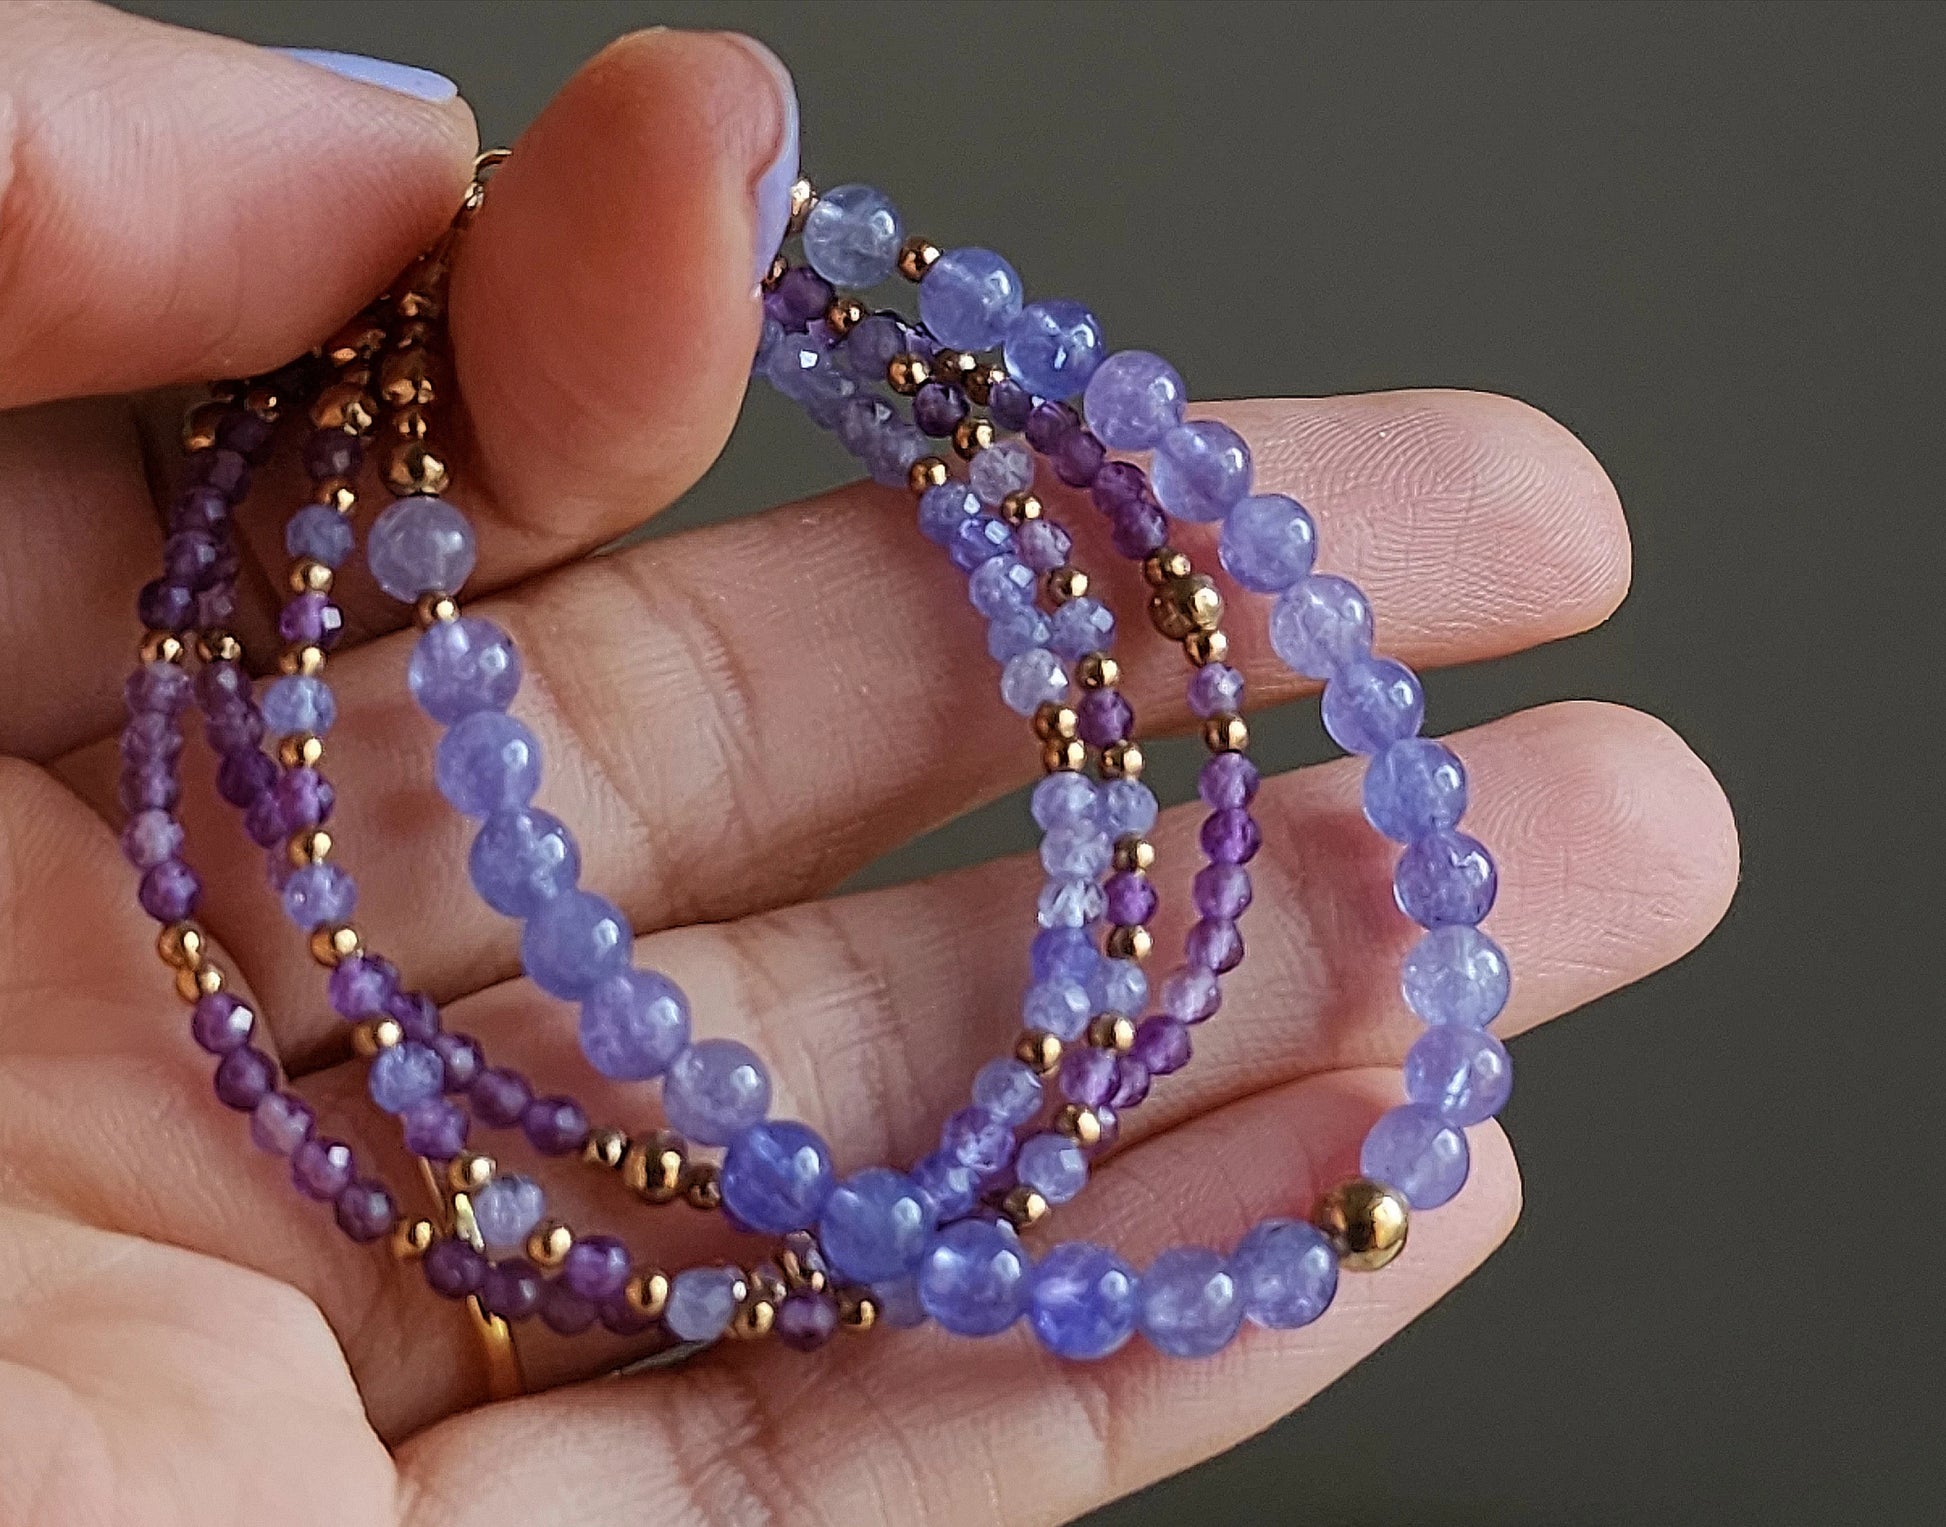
1221 890
1268 542
776 1176
1216 944
875 1224
321 533
1053 1165
365 1211
150 837
1065 955
297 704
362 985
280 1123
1131 1083
231 727
1457 975
937 408
170 891
1065 799
1133 400
634 1024
806 1320
1002 468
555 1126
1008 1089
1371 704
1076 852
165 606
1057 1006
1230 835
1077 457
462 666
1032 679
1287 1272
1118 486
264 820
1082 626
1119 987
714 1090
1191 994
1216 689
321 1168
436 1129
1131 898
575 942
871 346
150 736
1043 545
319 894
512 1289
404 1076
420 545
981 1141
160 687
1001 584
311 617
242 777
1127 806
414 1012
220 1023
190 557
1189 1304
597 1267
1021 629
225 471
1463 1073
151 785
1136 532
1414 787
1227 781
453 1269
862 423
1009 404
461 1058
565 1312
488 762
1049 424
199 508
952 1188
1162 1044
977 538
1321 624
1200 470
969 299
500 1097
244 432
243 1077
521 859
804 294
1053 347
506 1210
1087 1075
1416 1151
1445 877
304 798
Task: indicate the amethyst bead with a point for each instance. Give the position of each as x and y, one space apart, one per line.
220 1023
1191 994
714 1090
776 1177
1221 890
1077 457
333 453
973 1278
436 1129
170 891
969 299
875 1225
1414 787
1200 470
1416 1151
1216 689
365 1212
420 545
160 687
453 1269
1230 835
1268 542
804 295
852 236
521 859
362 985
1009 404
311 617
1456 975
634 1024
1043 545
1162 1044
245 775
574 943
416 1013
321 1169
1133 400
1228 781
1131 898
512 1289
303 798
462 1058
244 1077
1464 1074
555 1126
806 1320
165 606
1053 347
1189 1304
1081 1301
597 1267
150 837
462 666
937 407
1371 704
500 1097
1216 944
951 1188
565 1312
319 894
1321 624
1287 1274
488 762
1445 877
1087 1075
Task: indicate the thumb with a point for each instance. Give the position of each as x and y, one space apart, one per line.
176 206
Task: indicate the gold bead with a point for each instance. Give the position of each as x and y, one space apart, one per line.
305 658
799 1262
907 373
954 365
1053 722
1082 1125
1038 1051
338 493
766 1281
331 946
163 647
1185 605
406 377
926 472
470 1171
653 1168
844 315
264 402
203 981
376 1034
424 295
647 1294
804 197
1365 1221
215 646
1205 647
775 273
358 340
181 946
755 1318
1112 1031
345 406
300 750
1020 506
702 1187
199 425
1129 942
409 423
435 610
549 1245
1097 670
606 1148
979 382
1122 760
309 845
413 468
1134 852
917 256
1064 754
972 436
412 1237
857 1310
1065 583
1023 1206
1226 734
1164 564
309 576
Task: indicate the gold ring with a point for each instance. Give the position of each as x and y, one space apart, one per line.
505 1381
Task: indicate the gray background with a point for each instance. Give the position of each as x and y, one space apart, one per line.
1709 240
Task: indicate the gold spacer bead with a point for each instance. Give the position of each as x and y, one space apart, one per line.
1023 1206
199 425
219 647
1082 1125
954 365
338 493
702 1187
1097 670
980 381
1064 755
1183 606
1112 1031
181 946
300 750
1365 1221
405 377
606 1148
413 468
972 436
907 374
411 1238
1205 647
1164 564
309 576
1039 1051
917 256
653 1168
857 1310
470 1171
409 423
332 945
1122 760
1134 852
376 1034
305 658
310 845
766 1281
1130 941
647 1293
1065 583
1054 722
345 406
203 981
264 402
549 1245
163 647
1020 506
358 340
1226 734
776 273
414 333
926 472
804 196
435 610
796 1260
755 1318
844 315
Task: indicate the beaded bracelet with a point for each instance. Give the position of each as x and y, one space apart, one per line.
938 1241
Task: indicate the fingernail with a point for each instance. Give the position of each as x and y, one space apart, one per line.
421 84
774 185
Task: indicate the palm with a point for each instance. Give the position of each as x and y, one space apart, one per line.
177 1331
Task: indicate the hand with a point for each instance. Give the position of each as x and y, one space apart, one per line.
736 718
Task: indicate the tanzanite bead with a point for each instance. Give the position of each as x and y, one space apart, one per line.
980 1141
875 1225
1008 1089
462 666
701 1302
1127 807
160 687
1052 1165
521 859
634 1024
870 347
951 1187
319 894
1445 877
1018 630
1057 1007
937 408
1414 787
1053 347
1133 400
1371 704
803 296
1286 1272
1119 986
1414 1150
852 236
969 298
1064 799
776 1176
1188 1302
299 703
1034 678
972 1279
1076 851
862 422
420 545
574 942
978 538
1268 543
488 762
1200 470
506 1210
1321 624
1081 1301
715 1089
1464 1074
1065 954
405 1075
1002 468
1001 584
1456 975
1082 626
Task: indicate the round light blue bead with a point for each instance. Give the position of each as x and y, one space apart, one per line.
1006 466
1188 1303
420 545
634 1024
1465 1074
1053 1166
506 1211
1053 347
714 1089
574 943
1060 1008
1018 630
1009 1090
1445 877
1082 626
1371 704
405 1075
1127 807
1065 954
1414 787
1268 543
1000 584
1321 624
1414 1150
1119 987
1034 678
1068 903
1200 470
521 858
898 1303
977 539
1133 400
1064 799
1083 851
298 703
852 236
942 509
1287 1273
969 299
1457 975
875 1225
461 666
952 1186
701 1302
319 894
321 533
776 1176
1081 1301
488 762
973 1277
